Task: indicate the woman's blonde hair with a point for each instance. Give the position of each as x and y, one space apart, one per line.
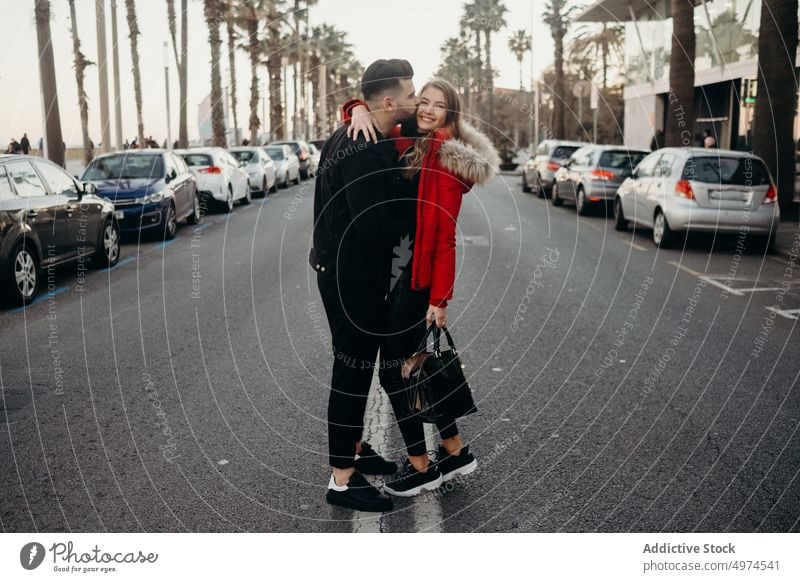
414 157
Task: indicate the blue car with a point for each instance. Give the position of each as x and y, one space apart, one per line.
152 190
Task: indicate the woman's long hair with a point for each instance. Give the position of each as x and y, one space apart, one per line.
414 157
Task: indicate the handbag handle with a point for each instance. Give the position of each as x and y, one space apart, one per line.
437 334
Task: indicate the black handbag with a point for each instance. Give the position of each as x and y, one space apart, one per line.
436 386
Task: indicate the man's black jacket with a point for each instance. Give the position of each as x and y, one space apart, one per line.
354 232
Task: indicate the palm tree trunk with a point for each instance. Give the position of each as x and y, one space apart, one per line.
478 74
133 28
80 64
183 80
775 106
232 65
213 11
252 36
559 125
277 128
489 74
679 128
47 73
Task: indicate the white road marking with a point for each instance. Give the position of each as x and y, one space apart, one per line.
375 422
427 506
787 313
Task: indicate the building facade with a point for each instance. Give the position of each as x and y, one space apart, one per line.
726 63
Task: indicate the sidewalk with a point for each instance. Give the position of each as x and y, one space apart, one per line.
788 235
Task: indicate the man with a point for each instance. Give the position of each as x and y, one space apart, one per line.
24 144
353 240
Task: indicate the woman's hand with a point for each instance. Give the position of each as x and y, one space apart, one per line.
361 120
438 315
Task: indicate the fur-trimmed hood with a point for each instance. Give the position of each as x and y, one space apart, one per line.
472 158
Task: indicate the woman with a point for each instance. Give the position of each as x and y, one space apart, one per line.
442 158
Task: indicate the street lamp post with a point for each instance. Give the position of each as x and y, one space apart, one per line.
166 86
115 57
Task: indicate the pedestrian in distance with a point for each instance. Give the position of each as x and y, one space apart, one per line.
709 141
353 240
13 146
442 159
24 144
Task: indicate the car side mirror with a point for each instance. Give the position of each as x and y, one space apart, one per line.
89 189
171 175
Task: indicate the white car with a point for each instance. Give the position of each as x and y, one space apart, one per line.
218 176
674 190
286 162
314 155
259 167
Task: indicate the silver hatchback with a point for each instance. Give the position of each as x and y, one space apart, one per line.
538 174
694 189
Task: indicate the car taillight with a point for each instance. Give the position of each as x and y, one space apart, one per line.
772 195
211 170
603 175
684 188
553 166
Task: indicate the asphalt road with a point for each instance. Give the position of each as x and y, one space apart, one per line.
185 389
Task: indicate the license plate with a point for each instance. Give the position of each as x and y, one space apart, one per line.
731 195
119 214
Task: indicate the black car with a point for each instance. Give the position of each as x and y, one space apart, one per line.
47 218
301 150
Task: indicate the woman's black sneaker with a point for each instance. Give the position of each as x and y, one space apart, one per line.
369 462
410 482
453 465
357 494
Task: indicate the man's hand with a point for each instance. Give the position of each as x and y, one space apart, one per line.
438 315
361 120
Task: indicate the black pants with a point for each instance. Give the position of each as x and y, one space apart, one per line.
356 318
405 329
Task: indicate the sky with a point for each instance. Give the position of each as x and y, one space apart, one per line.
410 29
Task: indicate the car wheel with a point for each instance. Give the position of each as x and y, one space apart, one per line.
556 199
539 187
171 224
620 223
108 254
248 197
297 180
23 275
525 187
663 235
264 187
274 185
197 214
227 207
580 203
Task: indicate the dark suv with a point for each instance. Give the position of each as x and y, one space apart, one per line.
47 218
303 153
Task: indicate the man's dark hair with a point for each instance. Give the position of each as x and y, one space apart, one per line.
384 75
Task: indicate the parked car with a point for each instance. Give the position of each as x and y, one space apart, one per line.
314 154
300 149
538 174
219 177
152 190
259 167
317 143
47 218
288 166
676 190
592 175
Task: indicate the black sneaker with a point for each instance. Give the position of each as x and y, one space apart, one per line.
369 462
357 494
453 465
411 482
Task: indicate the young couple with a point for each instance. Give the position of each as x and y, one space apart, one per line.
385 212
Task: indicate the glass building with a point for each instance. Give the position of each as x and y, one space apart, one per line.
726 33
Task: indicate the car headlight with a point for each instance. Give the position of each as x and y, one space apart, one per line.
154 197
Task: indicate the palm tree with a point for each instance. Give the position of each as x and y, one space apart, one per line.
680 104
273 47
457 65
230 7
492 14
325 45
302 43
181 64
81 62
249 15
604 45
47 74
470 23
133 28
557 16
213 10
777 92
519 43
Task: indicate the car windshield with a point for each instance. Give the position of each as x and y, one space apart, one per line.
621 159
243 157
276 154
197 159
745 171
563 152
123 166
